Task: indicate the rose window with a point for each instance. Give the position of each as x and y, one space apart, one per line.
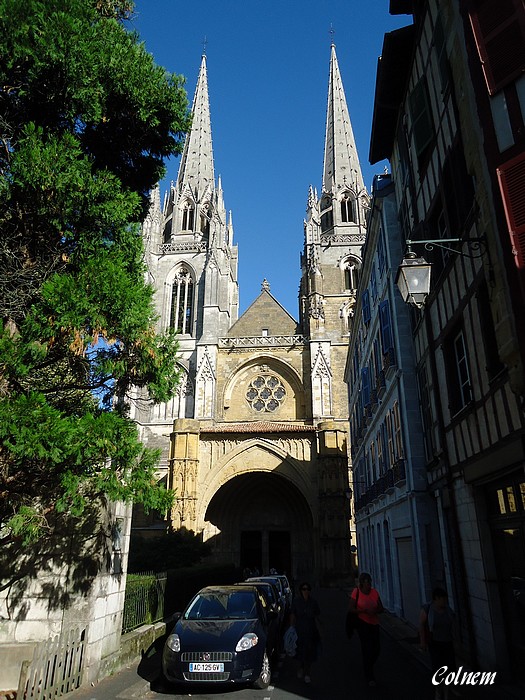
265 393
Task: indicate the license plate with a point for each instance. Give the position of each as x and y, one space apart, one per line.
206 668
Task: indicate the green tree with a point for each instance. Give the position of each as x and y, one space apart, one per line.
86 122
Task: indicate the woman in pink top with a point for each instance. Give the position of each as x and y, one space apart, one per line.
366 604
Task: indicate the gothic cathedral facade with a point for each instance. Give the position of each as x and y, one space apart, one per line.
254 442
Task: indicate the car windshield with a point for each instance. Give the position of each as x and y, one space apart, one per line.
222 605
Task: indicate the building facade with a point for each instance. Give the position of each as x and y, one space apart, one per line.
254 444
454 136
394 514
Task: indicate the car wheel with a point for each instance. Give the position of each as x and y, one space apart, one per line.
265 675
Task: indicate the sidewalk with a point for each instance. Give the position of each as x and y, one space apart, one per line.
407 638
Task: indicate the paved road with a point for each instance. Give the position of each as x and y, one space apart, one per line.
337 675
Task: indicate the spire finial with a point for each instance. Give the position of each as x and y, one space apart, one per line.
332 34
265 286
204 45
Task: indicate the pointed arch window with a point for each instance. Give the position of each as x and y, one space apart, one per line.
205 220
188 214
182 302
351 274
327 215
348 209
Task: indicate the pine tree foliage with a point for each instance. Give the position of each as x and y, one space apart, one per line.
86 121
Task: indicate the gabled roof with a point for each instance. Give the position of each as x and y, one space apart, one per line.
264 313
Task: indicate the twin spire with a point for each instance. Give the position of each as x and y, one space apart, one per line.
341 167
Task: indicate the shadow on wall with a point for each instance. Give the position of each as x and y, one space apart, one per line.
58 569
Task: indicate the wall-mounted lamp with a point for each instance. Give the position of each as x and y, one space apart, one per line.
413 275
413 279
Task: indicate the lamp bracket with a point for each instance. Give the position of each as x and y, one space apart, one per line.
477 246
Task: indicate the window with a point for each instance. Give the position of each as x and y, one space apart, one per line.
205 221
187 216
373 461
426 403
365 385
441 51
421 118
488 332
381 253
265 393
458 374
351 274
390 439
373 281
458 189
501 120
386 326
182 302
398 437
264 332
365 305
347 209
499 30
327 215
380 451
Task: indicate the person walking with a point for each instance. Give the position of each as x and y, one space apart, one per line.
437 623
366 603
304 617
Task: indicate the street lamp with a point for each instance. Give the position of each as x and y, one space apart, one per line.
413 275
413 279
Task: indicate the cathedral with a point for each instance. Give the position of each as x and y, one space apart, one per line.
255 441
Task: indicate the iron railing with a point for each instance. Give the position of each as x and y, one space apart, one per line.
144 600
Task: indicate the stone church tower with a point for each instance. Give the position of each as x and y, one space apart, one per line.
255 441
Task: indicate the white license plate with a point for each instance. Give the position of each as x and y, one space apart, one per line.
206 668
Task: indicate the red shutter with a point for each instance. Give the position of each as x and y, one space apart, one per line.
511 176
499 30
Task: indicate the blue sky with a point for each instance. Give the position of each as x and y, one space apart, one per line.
268 80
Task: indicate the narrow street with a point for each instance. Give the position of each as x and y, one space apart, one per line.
337 675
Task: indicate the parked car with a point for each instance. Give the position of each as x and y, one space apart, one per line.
287 589
279 584
275 627
223 635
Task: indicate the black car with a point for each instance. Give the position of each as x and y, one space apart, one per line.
222 636
277 581
274 604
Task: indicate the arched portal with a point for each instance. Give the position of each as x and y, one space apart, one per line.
262 521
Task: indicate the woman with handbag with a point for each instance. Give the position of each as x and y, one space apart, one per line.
366 604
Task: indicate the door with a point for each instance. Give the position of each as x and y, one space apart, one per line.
279 552
251 550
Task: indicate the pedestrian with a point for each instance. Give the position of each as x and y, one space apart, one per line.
304 617
437 623
366 604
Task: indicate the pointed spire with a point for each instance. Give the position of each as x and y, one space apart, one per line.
341 163
196 167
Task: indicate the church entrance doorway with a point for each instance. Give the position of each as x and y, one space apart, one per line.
264 522
251 551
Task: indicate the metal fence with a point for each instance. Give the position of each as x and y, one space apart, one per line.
144 600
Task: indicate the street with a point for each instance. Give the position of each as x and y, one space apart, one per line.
337 675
